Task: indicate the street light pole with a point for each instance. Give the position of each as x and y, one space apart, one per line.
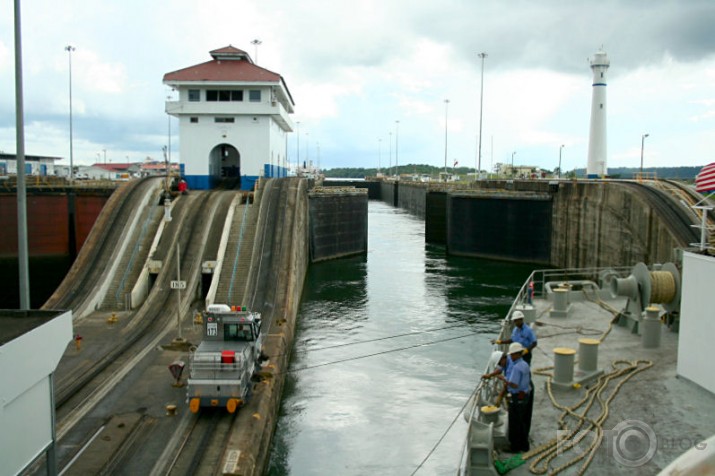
560 149
168 119
297 148
22 249
642 146
478 173
446 105
70 49
389 168
379 154
397 148
255 44
512 163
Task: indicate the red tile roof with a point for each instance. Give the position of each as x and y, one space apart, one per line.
113 167
229 64
227 50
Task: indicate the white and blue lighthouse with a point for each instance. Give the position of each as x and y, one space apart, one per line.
597 142
233 120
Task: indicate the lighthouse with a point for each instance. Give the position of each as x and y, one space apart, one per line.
597 145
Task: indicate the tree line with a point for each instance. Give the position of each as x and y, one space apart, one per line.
681 173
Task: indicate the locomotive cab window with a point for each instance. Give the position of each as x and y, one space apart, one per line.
237 332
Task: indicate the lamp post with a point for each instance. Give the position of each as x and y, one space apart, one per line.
168 120
397 148
255 44
512 163
379 154
446 105
297 148
560 149
22 248
642 146
70 49
478 172
307 150
389 168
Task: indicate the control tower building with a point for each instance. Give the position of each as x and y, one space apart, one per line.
233 120
597 142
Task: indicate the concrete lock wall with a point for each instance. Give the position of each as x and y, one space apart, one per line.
413 197
606 224
388 193
373 188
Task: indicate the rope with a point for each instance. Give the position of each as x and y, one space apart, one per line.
545 454
663 287
557 447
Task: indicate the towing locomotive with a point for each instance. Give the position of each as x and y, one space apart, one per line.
229 355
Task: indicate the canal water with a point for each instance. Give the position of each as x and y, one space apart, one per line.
388 349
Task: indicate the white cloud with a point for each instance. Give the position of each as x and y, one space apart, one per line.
354 68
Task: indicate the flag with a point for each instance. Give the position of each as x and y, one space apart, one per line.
455 163
705 180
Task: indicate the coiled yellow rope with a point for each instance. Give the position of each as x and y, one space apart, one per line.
623 370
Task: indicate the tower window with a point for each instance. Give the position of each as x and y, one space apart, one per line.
601 74
194 120
224 119
224 95
601 106
194 95
254 95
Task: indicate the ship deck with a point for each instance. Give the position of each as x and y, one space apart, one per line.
649 415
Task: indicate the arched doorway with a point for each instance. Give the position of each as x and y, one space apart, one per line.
225 163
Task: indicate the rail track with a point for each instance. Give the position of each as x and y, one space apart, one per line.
91 392
103 239
674 216
111 395
82 387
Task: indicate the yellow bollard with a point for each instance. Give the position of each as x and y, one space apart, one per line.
78 342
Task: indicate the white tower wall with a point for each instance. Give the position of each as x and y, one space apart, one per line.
597 142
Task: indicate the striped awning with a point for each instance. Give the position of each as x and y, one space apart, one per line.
705 180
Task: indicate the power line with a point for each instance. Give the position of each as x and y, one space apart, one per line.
382 352
439 441
301 351
385 338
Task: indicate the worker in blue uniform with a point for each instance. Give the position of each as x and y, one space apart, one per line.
521 334
519 388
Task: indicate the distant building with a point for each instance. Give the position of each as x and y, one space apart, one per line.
517 171
34 165
233 120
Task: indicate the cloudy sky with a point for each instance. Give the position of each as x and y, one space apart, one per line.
356 67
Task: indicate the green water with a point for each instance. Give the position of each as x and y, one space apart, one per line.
383 414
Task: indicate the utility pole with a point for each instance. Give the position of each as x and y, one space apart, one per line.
70 49
397 149
481 104
446 105
22 253
255 44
